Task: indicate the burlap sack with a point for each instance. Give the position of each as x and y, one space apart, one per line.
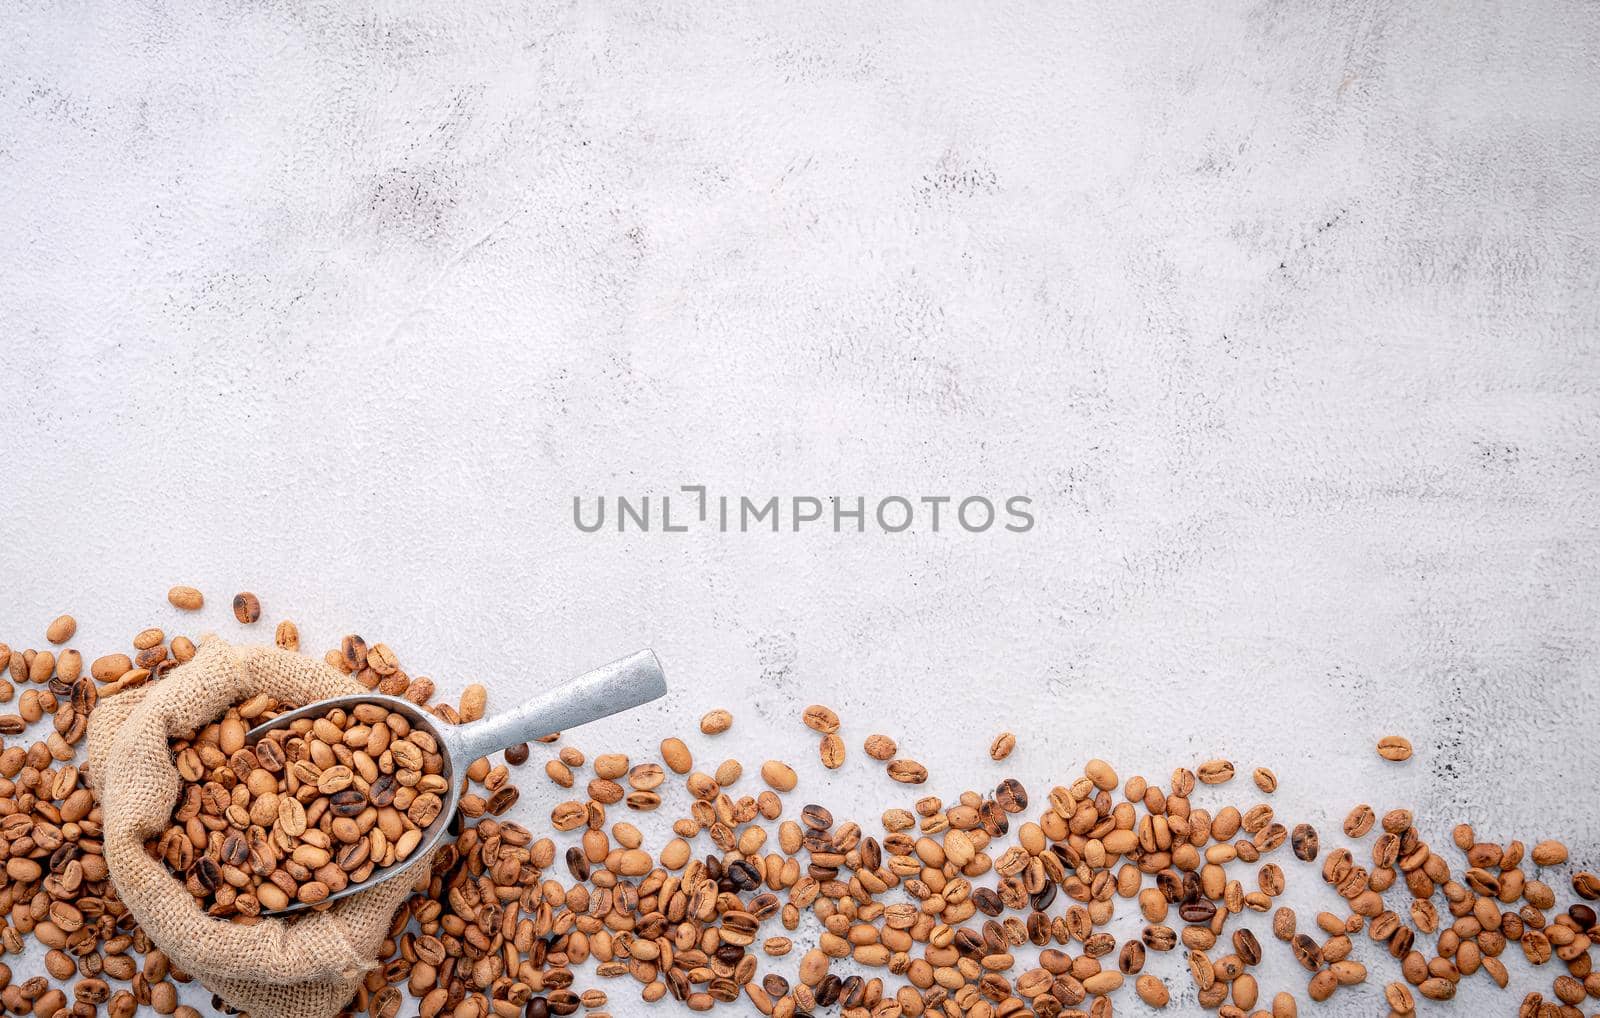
307 968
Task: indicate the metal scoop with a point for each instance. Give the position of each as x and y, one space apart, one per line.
607 690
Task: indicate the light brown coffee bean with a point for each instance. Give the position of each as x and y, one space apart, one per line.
569 816
1101 774
474 699
1215 772
41 667
1437 988
183 649
1360 821
1002 746
1398 996
646 777
109 667
676 756
287 636
61 629
1549 853
880 747
907 772
821 719
1152 990
716 722
895 820
185 598
1394 747
1322 986
831 750
559 773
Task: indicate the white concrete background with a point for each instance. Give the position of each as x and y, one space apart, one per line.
1285 318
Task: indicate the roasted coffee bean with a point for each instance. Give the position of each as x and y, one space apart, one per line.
1394 747
185 598
246 607
1304 841
1360 821
348 803
1131 959
821 719
1198 911
1246 946
382 791
817 818
880 747
716 722
1215 772
907 772
1011 796
1307 952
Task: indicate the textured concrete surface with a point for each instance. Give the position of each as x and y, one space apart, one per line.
1284 318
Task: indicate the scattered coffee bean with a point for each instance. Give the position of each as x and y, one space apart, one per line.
716 722
908 772
61 629
1215 772
1394 747
287 636
779 775
821 719
880 747
246 607
831 749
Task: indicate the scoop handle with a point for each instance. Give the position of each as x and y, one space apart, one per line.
625 683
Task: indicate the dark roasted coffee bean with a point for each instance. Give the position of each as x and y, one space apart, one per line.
1247 947
381 793
1304 842
577 863
207 873
1011 796
1198 911
1131 958
1307 952
987 901
816 817
348 803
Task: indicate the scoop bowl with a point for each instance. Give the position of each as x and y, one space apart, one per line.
610 689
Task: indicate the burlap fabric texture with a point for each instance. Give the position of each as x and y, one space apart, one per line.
309 967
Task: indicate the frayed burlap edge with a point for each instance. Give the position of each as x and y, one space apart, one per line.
309 967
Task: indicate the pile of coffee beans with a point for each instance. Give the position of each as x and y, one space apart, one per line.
993 903
307 811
